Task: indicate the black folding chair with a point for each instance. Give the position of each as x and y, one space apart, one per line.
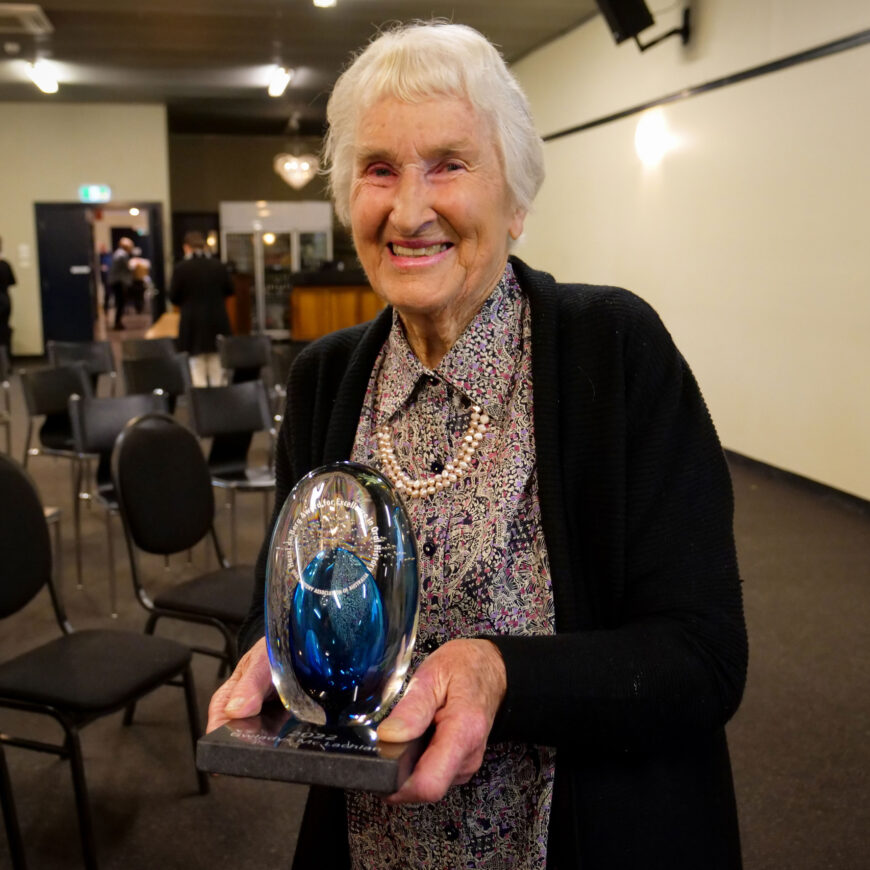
167 504
96 423
46 396
244 357
96 356
171 374
231 416
80 676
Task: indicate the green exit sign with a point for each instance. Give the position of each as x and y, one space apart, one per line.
95 193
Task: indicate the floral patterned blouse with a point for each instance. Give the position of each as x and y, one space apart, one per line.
483 568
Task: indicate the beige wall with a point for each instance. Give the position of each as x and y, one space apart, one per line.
48 150
750 237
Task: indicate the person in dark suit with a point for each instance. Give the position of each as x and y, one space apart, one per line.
199 287
120 278
7 280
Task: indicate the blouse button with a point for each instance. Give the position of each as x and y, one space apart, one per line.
427 646
436 467
429 548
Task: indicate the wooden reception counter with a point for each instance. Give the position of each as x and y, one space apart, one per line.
321 302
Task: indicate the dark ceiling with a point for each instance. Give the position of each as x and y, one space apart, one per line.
208 60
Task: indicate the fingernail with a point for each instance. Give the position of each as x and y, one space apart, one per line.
234 705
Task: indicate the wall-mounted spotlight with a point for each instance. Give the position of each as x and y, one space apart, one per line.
42 77
627 18
279 81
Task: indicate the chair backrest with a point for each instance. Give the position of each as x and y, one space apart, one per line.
245 356
163 485
47 391
96 356
168 373
235 408
97 422
230 416
25 548
139 348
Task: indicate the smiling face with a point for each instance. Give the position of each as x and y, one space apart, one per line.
430 212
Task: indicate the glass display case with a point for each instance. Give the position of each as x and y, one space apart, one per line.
270 241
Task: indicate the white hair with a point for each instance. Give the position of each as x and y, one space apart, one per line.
416 62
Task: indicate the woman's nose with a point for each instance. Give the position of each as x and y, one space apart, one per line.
412 206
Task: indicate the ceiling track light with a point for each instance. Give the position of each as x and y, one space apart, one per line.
324 4
41 76
280 79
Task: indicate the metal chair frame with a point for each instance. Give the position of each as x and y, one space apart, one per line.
227 629
230 416
96 423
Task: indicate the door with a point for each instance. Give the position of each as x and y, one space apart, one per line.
64 240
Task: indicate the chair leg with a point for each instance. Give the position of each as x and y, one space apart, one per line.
10 817
83 807
78 471
113 590
130 709
27 439
234 542
193 721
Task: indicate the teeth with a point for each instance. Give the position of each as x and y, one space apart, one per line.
401 251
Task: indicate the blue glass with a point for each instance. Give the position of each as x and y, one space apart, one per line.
341 597
337 630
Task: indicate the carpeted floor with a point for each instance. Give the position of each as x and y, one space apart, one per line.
799 742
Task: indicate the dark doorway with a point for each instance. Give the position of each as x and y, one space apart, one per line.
65 243
69 264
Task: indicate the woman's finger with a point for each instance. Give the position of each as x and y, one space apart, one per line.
243 693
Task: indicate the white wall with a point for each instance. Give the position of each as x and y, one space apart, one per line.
751 237
48 150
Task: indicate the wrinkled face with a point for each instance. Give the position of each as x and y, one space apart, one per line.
431 214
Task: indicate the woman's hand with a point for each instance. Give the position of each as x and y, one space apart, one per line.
243 693
459 688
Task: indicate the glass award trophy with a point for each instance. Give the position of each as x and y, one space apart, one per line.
341 605
341 597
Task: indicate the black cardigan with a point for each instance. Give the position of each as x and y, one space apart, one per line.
649 657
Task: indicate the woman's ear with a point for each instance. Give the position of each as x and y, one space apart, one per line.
515 227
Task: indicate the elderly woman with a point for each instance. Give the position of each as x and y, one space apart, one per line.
581 640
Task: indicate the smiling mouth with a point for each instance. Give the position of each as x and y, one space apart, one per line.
428 251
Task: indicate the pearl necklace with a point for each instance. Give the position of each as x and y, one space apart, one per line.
453 471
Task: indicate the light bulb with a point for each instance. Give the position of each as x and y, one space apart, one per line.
42 77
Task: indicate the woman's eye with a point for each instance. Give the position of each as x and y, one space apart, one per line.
453 166
379 171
